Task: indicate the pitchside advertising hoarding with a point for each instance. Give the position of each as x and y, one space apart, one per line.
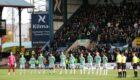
40 30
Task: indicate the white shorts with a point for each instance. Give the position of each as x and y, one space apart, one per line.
51 65
62 64
104 66
41 65
32 66
82 66
22 66
97 65
72 66
90 65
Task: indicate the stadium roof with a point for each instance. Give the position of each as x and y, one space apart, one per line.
15 3
12 44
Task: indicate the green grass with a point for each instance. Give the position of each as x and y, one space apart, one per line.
112 75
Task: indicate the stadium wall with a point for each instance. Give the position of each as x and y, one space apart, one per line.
57 25
81 42
72 6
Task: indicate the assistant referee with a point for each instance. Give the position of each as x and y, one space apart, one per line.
135 64
124 65
119 66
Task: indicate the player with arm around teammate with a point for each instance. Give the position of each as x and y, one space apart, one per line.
22 62
90 63
72 63
32 63
51 60
41 65
63 63
105 61
98 63
82 64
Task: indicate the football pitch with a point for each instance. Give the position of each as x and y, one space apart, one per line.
112 75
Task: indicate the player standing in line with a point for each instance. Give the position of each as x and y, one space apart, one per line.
98 63
135 64
71 62
11 63
119 66
105 60
123 65
90 61
82 64
51 60
22 62
63 63
32 63
41 66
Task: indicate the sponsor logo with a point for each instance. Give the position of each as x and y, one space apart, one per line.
37 26
41 19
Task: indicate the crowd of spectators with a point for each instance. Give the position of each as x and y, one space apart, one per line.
103 23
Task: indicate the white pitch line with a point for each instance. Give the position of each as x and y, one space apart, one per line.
66 79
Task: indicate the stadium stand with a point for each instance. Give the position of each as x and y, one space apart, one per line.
104 24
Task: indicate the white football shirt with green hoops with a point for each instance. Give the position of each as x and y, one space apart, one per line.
51 61
72 61
105 60
62 60
82 62
90 60
97 60
41 61
22 62
32 62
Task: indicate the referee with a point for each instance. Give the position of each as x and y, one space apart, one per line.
124 65
135 63
119 66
